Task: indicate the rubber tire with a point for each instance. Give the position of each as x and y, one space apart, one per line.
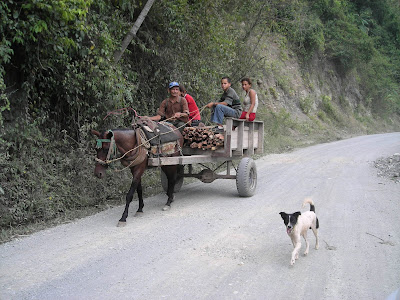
179 181
246 177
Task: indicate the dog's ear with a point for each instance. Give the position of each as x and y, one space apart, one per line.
297 213
284 216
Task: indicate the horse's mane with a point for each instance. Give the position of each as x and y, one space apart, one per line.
116 129
121 129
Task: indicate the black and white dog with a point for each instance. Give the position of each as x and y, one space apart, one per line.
297 224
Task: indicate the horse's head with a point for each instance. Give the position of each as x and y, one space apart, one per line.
103 144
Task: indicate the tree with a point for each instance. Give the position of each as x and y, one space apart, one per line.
132 33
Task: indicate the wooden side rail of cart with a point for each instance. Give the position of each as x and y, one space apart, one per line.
242 139
245 140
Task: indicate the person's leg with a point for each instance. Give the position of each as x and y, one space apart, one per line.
228 111
243 115
221 111
179 124
252 117
217 115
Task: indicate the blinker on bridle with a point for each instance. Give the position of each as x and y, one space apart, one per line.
99 143
112 151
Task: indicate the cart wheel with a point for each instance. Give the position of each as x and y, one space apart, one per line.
179 180
246 177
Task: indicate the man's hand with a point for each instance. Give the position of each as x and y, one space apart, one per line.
210 105
178 115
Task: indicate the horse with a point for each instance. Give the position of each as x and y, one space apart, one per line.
129 143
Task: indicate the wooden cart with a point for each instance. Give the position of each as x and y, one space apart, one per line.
241 143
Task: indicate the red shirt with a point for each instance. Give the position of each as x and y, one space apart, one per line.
193 109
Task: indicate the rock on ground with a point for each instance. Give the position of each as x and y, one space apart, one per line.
389 167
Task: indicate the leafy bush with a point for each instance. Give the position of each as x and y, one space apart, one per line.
330 109
306 104
322 116
347 44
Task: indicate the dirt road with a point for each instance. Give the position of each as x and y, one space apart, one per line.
214 245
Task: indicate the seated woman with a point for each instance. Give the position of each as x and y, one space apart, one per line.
250 102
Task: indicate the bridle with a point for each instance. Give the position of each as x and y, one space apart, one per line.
139 156
112 150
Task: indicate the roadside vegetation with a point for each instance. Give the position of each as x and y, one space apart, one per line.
323 69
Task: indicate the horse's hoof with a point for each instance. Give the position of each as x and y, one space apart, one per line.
166 207
121 224
138 213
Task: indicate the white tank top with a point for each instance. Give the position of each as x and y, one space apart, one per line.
247 103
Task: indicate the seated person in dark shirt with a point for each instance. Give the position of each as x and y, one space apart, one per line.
228 106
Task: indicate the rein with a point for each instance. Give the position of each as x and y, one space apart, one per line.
142 152
142 141
138 157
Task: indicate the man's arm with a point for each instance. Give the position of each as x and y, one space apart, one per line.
155 118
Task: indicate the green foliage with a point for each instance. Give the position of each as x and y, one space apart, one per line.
316 120
273 92
50 180
4 101
306 104
278 123
304 29
330 109
322 116
347 44
380 86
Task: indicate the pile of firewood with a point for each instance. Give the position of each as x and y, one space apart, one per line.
202 138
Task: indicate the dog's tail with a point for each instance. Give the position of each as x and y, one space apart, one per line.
312 208
309 201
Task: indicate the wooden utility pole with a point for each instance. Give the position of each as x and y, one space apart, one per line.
132 33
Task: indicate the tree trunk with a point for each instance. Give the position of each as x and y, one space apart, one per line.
128 38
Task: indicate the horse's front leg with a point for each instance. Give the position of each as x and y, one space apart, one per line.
140 196
136 184
171 173
129 197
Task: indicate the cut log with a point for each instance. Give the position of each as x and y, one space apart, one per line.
202 138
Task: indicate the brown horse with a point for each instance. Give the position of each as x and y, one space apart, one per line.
133 155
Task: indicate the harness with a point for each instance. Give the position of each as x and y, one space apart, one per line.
112 151
138 157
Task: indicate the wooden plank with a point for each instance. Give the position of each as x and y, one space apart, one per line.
228 137
260 137
183 160
240 137
251 139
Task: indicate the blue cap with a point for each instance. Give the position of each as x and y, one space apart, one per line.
173 84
